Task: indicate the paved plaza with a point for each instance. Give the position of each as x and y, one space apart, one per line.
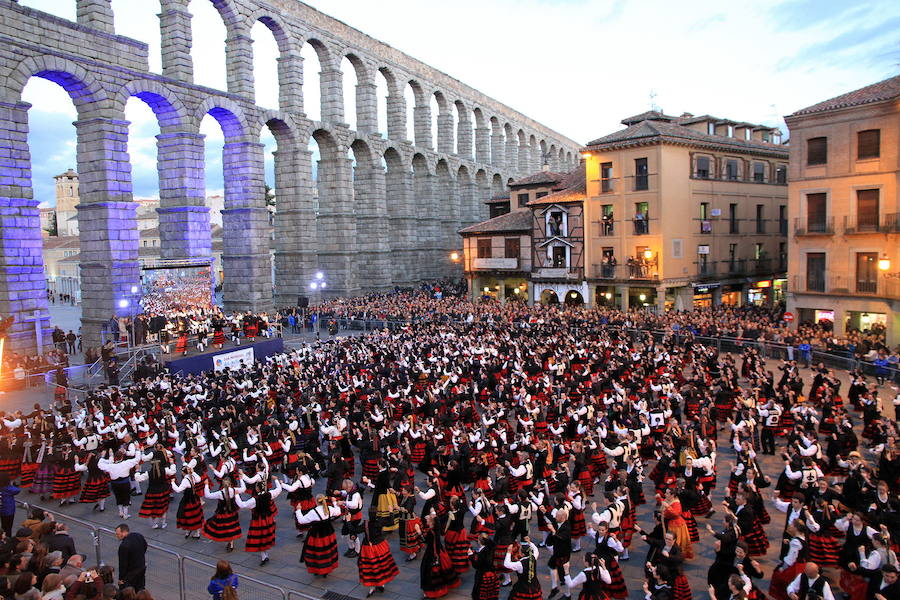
285 571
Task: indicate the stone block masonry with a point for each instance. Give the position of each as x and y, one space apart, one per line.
383 212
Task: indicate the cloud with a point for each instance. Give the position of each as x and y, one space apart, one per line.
847 48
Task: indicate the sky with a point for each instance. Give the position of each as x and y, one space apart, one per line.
577 66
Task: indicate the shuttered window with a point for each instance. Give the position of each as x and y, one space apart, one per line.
868 144
867 210
817 151
815 212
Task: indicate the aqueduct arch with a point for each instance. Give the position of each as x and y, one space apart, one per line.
402 195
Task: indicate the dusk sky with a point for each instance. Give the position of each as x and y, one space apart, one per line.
577 66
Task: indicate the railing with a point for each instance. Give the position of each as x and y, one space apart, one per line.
607 227
824 227
707 269
761 265
641 226
170 575
738 266
635 271
872 223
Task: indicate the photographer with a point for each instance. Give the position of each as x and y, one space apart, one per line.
88 585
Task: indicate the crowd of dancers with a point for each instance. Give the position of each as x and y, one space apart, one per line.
503 449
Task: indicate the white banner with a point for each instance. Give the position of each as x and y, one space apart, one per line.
232 360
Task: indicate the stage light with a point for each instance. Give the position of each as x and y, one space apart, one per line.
134 289
320 275
123 303
313 285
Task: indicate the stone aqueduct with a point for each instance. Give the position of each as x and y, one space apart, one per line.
389 220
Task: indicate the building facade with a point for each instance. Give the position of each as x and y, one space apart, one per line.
845 231
497 256
685 212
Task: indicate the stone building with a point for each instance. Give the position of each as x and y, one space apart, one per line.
686 211
844 210
360 239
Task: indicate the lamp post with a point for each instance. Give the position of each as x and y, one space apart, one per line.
884 265
317 285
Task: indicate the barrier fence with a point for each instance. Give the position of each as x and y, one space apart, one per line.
170 575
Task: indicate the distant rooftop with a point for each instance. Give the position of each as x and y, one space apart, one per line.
889 89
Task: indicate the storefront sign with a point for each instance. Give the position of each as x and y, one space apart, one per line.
232 360
764 284
705 286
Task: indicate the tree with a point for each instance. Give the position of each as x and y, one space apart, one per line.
52 227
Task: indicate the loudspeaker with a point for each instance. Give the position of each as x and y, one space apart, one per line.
303 301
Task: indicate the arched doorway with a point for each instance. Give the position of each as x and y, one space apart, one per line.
549 297
574 298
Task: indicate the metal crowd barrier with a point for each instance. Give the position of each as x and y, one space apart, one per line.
170 575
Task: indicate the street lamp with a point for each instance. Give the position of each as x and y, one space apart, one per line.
318 284
884 265
454 256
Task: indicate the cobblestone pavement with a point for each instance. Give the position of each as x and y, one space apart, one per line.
285 571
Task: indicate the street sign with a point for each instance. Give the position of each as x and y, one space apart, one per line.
789 317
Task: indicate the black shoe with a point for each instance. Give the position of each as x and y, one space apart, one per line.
379 589
353 554
96 508
229 548
371 593
553 592
264 561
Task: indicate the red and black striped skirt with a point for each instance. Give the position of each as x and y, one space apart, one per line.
579 528
703 506
411 540
681 590
261 535
320 553
155 504
66 483
487 586
376 565
223 527
190 515
824 550
26 475
370 468
458 546
95 490
692 526
616 588
781 579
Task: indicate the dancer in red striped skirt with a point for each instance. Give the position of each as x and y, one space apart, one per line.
66 480
261 535
189 517
224 525
159 491
96 488
320 552
376 564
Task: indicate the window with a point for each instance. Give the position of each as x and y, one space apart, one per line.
782 219
781 174
815 272
556 223
559 256
606 177
523 199
540 195
758 251
731 131
484 247
867 272
608 263
867 210
815 212
703 167
511 248
868 144
731 169
641 218
705 223
782 256
817 151
760 218
732 219
145 243
747 134
641 175
607 221
759 172
711 128
704 210
677 248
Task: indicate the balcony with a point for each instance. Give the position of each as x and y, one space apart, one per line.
706 270
557 273
706 226
607 227
607 185
863 224
641 226
761 265
735 267
634 271
809 228
492 264
847 285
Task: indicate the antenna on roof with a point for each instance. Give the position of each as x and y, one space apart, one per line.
653 105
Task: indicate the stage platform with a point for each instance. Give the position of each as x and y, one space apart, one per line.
228 357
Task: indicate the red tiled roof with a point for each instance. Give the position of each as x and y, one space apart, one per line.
573 188
517 220
888 89
538 178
